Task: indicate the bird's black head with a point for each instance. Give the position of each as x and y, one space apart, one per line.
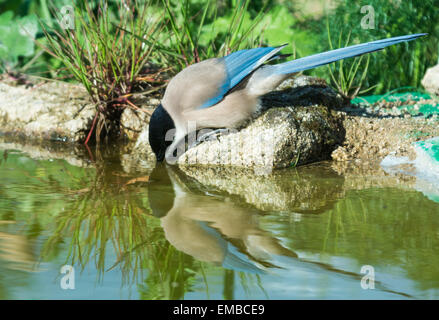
161 193
159 124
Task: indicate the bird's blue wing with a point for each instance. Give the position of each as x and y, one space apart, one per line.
238 65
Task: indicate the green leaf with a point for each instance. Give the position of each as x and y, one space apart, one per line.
17 37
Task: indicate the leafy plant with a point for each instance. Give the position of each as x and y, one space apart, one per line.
16 39
19 27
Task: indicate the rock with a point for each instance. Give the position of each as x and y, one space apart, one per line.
340 154
50 111
297 125
132 122
431 80
141 158
427 156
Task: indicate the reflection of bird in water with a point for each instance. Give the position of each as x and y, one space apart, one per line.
211 228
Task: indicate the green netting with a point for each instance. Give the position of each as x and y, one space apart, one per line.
430 148
427 160
426 109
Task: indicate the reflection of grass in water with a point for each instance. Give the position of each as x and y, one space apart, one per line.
110 215
344 215
171 274
248 282
98 218
137 240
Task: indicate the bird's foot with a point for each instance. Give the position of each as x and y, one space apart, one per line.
209 136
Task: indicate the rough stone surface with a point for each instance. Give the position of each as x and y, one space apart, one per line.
132 122
141 157
370 139
52 111
431 80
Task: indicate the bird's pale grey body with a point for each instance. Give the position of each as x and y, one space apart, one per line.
189 89
187 93
225 92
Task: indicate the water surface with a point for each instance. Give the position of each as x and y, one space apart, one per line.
304 233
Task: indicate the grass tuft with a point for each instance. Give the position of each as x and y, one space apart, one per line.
106 59
345 75
198 34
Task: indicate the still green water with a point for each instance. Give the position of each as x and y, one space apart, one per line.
165 235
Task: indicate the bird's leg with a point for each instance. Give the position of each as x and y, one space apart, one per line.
176 149
209 136
213 135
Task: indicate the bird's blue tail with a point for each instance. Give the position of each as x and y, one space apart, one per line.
339 54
